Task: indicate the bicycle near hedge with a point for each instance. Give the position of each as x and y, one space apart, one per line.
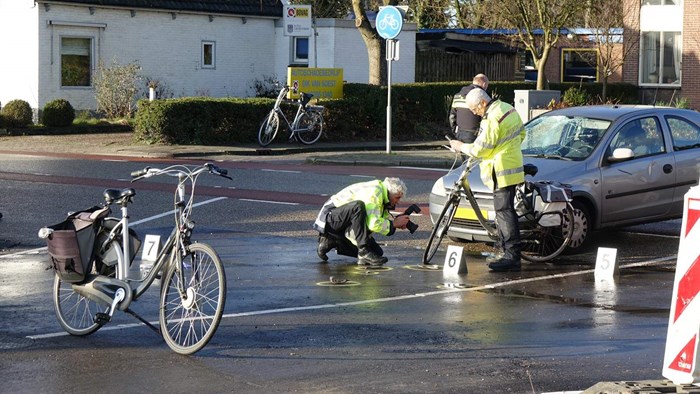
306 127
91 254
545 215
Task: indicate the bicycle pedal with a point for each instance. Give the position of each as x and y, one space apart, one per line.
102 318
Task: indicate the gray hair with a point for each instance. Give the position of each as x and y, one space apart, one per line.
475 97
395 186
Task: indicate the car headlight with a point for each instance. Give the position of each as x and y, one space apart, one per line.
439 188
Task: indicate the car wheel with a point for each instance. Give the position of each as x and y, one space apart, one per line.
582 227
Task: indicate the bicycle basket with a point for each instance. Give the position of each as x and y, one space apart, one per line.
71 244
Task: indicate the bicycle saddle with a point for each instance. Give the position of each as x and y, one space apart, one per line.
305 98
530 169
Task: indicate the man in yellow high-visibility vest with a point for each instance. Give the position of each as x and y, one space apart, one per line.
356 212
497 145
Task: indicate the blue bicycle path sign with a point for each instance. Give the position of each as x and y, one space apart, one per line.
389 22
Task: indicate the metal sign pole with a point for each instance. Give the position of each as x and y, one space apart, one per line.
389 59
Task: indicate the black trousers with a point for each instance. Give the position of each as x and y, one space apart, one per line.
353 216
507 222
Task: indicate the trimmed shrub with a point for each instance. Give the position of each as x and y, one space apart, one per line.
575 96
58 113
17 113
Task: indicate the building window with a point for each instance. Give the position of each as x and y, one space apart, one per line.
76 61
300 52
579 65
660 61
208 54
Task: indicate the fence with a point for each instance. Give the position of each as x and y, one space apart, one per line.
439 66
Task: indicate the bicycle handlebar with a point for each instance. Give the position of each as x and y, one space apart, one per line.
178 170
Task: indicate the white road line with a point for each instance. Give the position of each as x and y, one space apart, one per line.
385 299
173 211
42 249
269 202
289 171
363 176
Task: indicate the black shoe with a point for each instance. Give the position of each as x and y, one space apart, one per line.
504 265
368 257
325 245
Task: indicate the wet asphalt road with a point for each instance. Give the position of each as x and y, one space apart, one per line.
551 327
396 330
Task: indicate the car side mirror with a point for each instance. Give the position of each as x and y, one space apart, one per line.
621 154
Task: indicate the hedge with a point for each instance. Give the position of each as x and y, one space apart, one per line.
419 112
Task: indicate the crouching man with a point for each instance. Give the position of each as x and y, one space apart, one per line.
355 213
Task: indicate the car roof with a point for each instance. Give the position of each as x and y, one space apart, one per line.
614 112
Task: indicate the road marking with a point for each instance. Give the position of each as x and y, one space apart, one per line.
385 299
269 202
173 211
289 171
42 249
363 176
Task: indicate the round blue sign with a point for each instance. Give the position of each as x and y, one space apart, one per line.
389 22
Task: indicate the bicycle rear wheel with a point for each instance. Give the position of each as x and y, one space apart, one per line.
189 321
268 128
541 244
309 127
75 313
441 226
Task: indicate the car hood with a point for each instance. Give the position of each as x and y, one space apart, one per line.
547 169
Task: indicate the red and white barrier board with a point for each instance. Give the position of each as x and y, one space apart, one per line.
680 358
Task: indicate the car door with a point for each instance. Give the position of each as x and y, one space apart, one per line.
641 187
685 137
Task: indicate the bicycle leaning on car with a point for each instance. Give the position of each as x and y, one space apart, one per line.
306 127
91 254
544 210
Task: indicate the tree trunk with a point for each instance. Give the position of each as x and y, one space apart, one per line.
374 44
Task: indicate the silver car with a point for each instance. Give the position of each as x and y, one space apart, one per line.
626 165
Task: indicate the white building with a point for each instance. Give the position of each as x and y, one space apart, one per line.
51 49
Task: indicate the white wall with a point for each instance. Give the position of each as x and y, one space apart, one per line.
340 45
19 75
167 50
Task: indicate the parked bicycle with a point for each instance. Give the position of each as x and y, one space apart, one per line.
91 254
544 210
306 127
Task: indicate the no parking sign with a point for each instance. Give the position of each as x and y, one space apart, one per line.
681 352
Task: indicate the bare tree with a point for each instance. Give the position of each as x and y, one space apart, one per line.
606 19
537 24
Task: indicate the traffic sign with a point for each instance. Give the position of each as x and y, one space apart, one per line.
389 22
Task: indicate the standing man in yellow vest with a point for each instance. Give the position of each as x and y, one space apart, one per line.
360 210
463 122
498 147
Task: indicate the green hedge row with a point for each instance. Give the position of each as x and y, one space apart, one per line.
419 112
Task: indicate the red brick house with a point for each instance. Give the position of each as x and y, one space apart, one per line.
664 58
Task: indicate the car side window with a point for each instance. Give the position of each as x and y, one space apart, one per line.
685 135
643 136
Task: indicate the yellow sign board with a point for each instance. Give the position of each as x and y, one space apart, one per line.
321 82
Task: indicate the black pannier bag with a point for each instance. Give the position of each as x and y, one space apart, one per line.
71 244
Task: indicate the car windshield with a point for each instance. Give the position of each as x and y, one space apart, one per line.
563 137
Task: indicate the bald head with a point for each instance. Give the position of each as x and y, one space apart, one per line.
481 80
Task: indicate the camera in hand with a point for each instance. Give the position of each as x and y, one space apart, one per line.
412 227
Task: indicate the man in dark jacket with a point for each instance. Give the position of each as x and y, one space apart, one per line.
463 121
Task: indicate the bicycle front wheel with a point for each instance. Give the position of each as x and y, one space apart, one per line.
192 299
309 127
269 128
549 236
441 226
75 313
